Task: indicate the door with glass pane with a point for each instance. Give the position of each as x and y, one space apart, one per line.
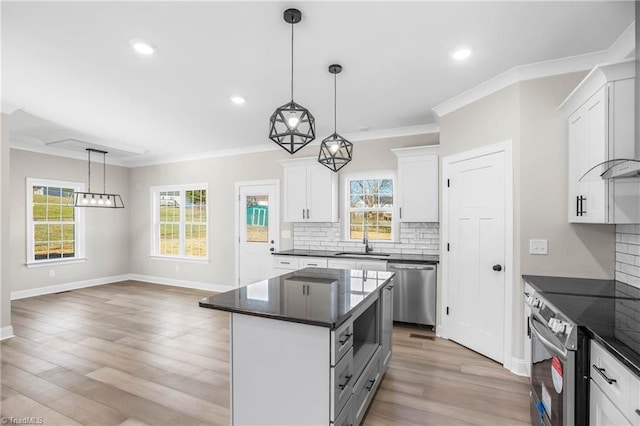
258 231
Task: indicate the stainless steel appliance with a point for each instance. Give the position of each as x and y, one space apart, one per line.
414 293
558 350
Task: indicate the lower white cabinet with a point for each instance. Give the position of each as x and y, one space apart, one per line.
366 386
386 324
603 412
614 390
365 265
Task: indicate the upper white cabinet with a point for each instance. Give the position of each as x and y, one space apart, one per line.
310 191
600 128
417 185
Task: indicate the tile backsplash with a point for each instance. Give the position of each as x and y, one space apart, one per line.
628 254
415 238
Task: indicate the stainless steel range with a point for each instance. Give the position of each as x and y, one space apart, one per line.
558 390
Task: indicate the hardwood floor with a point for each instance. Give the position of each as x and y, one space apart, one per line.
133 353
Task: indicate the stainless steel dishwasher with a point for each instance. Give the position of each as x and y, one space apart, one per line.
414 293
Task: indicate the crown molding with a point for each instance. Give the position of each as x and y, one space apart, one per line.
65 153
623 47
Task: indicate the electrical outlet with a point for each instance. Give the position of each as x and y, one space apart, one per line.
52 273
538 247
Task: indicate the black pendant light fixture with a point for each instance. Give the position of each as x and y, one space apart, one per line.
98 199
292 126
335 151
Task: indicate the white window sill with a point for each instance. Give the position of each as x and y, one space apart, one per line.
180 259
51 262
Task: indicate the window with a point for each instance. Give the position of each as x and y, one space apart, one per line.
180 221
55 228
369 207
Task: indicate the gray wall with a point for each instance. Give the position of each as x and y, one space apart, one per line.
221 174
527 114
5 248
107 230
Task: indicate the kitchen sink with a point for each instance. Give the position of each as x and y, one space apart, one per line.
361 254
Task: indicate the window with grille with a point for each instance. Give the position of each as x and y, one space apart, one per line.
55 228
369 207
180 226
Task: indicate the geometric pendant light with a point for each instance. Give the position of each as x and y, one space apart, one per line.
98 199
335 151
291 125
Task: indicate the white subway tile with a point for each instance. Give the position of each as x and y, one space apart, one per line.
626 229
626 258
630 270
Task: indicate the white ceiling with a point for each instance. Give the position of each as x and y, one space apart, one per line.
70 70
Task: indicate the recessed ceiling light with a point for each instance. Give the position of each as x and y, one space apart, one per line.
238 100
363 128
461 53
142 46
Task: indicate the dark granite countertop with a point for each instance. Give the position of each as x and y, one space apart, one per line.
608 310
328 298
393 257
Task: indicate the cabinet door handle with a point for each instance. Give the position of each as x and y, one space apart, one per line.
604 376
344 385
346 339
303 214
373 382
312 264
577 205
308 216
285 263
400 212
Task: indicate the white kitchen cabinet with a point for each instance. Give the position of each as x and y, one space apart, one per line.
302 298
417 184
614 390
601 128
386 325
310 191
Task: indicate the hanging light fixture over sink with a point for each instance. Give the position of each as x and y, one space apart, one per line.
98 199
335 151
292 126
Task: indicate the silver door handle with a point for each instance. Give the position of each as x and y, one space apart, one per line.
303 214
308 214
604 376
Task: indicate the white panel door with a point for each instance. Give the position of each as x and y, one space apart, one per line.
476 284
258 233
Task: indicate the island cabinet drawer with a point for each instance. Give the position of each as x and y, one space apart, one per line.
286 262
616 381
345 418
341 384
341 341
365 387
313 262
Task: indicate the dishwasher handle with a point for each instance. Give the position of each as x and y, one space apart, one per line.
409 267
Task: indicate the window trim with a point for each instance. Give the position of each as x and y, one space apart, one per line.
376 174
154 246
79 223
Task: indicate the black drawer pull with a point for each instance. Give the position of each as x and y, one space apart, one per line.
373 382
637 412
344 385
346 338
604 376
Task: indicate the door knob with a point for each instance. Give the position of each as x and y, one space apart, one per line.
497 268
272 249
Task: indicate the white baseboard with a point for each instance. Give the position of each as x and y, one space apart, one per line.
39 291
218 288
6 332
519 367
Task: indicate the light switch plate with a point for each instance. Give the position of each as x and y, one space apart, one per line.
538 246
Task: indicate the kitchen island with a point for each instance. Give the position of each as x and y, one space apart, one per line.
309 347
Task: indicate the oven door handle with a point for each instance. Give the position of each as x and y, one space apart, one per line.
547 338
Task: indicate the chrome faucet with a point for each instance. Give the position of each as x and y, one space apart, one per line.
365 241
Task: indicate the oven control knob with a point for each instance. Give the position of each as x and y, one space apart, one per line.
559 327
534 302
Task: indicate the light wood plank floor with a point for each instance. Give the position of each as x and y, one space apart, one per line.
132 353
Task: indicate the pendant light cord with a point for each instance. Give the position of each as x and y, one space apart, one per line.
89 158
104 172
335 102
292 61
